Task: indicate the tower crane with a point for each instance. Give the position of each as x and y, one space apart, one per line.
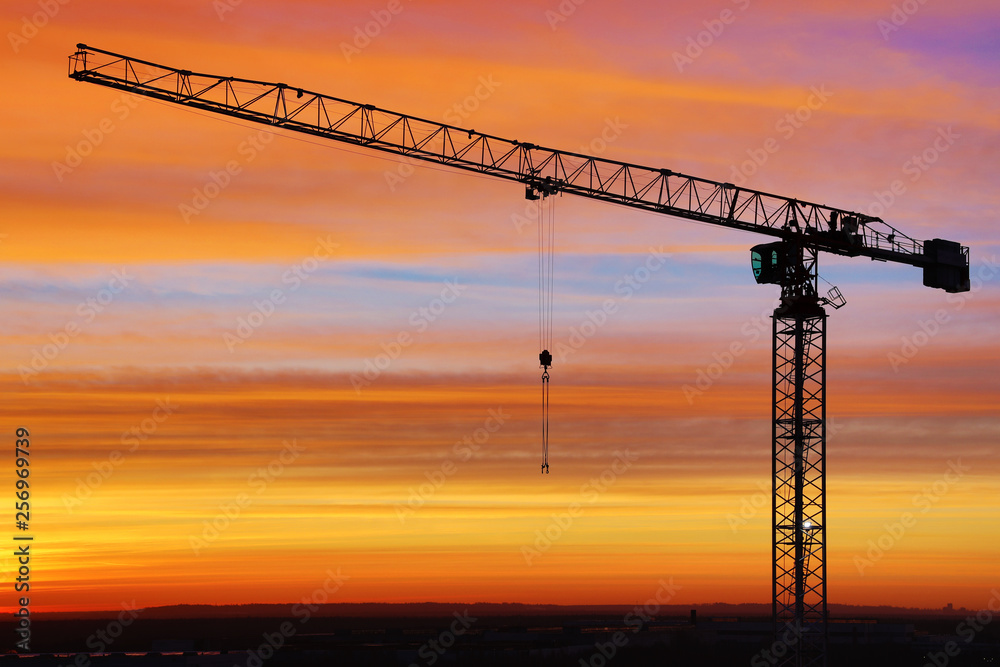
801 231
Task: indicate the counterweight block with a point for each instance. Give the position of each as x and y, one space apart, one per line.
948 266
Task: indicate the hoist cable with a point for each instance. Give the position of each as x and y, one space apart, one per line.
552 258
546 284
541 277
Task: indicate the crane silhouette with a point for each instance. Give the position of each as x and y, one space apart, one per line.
802 230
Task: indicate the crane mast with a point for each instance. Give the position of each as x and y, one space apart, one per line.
802 230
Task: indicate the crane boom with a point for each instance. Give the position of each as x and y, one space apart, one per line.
542 170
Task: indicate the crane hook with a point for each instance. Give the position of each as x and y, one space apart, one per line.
545 359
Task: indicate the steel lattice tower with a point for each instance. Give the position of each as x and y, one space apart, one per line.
799 466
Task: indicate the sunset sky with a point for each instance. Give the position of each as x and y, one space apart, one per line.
157 410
